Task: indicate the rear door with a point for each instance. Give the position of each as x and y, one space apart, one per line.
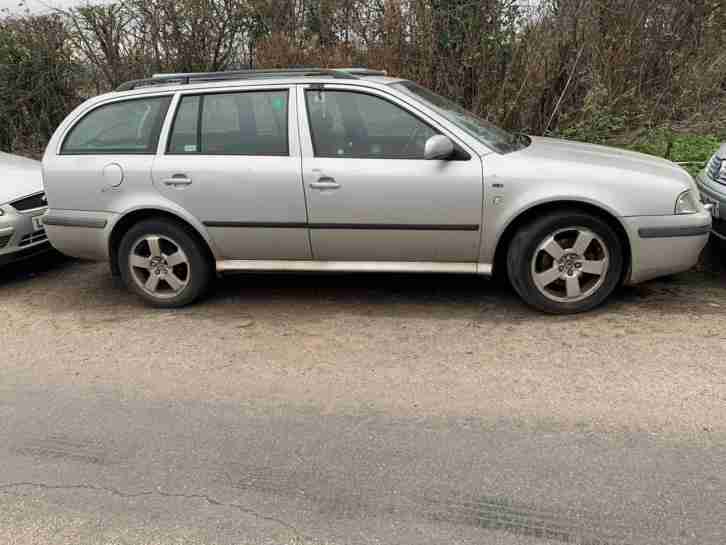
371 195
232 160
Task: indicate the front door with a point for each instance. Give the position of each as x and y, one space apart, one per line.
232 160
371 195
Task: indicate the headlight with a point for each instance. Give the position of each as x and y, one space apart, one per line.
687 203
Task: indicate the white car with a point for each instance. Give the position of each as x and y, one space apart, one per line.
22 205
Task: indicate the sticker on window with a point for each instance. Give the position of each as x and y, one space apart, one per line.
278 104
190 148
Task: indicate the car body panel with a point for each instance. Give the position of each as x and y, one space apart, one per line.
625 183
86 234
81 182
20 177
252 206
674 251
619 183
383 209
80 233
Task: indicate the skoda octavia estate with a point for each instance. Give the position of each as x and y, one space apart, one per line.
178 177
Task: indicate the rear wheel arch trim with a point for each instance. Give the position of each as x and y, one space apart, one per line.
507 232
125 221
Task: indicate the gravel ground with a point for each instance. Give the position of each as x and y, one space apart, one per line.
578 403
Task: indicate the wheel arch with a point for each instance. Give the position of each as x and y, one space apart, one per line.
527 215
131 218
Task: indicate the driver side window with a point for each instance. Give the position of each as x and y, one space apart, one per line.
362 126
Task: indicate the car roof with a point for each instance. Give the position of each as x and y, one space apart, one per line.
368 81
176 81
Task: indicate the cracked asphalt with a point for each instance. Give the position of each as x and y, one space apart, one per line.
359 409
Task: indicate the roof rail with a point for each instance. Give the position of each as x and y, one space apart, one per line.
362 71
206 77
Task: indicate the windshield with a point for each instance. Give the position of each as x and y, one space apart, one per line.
489 134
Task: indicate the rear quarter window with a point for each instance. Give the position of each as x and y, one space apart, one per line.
126 127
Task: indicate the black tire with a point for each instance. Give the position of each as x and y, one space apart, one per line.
196 272
525 254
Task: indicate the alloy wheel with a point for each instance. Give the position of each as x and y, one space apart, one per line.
159 266
570 265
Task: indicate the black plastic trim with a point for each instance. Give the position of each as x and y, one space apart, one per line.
31 202
674 232
256 224
394 227
62 221
351 226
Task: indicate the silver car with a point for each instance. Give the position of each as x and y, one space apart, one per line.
22 205
178 177
712 184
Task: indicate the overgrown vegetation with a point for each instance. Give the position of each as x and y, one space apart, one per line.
641 73
691 150
39 76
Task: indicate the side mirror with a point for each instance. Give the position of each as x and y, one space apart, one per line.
438 147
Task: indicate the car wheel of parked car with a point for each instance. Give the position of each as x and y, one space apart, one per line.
565 262
160 261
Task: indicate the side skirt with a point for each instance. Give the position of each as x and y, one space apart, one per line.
353 266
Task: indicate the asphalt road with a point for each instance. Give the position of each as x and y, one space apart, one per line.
359 410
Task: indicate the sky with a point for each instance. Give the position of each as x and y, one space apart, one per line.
36 6
40 6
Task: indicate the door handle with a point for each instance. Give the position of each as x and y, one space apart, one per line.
178 180
325 182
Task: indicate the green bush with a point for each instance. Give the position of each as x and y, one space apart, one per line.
38 81
693 150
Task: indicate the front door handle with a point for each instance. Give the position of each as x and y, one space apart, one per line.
178 180
325 182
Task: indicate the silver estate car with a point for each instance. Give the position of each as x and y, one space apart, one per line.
712 184
22 205
176 177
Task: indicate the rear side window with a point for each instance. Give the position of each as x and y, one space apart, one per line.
130 127
245 123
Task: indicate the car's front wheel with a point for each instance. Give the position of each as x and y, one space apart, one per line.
160 261
565 262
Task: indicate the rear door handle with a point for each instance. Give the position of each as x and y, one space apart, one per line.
178 180
325 182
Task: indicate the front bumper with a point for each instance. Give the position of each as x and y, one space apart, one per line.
713 192
19 238
663 245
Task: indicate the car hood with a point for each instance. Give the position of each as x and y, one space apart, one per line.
577 153
624 182
19 177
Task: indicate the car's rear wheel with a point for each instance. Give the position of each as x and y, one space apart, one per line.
565 262
161 262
